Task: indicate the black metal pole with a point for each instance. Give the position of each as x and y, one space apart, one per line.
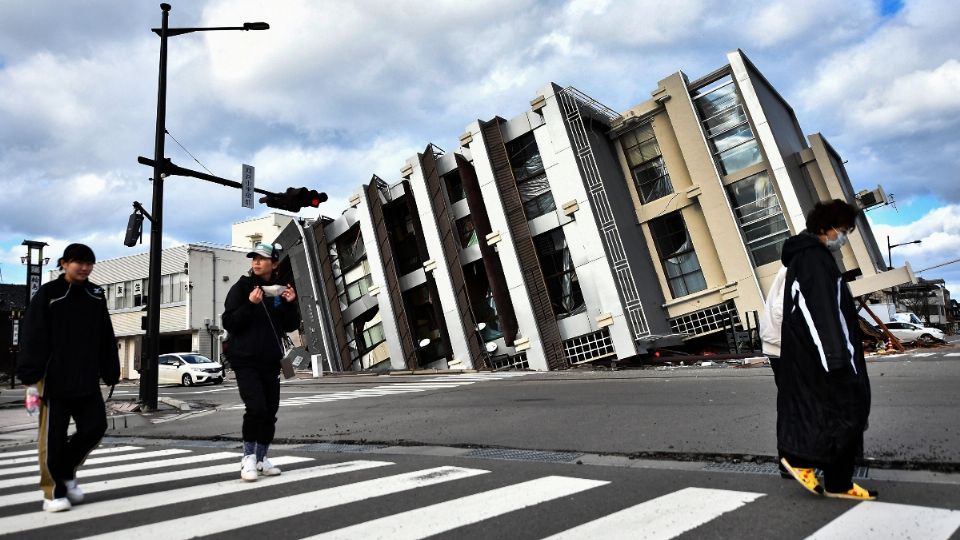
148 362
889 255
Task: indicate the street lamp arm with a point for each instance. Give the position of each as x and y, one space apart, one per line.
246 27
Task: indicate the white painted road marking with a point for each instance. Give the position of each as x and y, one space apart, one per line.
664 517
449 515
136 481
111 507
880 521
99 451
284 507
88 473
106 459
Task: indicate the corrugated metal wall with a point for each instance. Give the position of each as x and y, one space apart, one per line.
329 285
523 243
490 257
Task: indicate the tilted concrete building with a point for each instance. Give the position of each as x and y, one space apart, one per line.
572 233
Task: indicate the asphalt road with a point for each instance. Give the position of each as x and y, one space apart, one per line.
682 413
193 490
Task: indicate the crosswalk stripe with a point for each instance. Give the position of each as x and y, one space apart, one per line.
449 515
88 473
664 517
131 481
953 354
20 453
253 514
923 354
149 500
95 461
878 520
99 451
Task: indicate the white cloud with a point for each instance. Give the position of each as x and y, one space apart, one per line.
939 233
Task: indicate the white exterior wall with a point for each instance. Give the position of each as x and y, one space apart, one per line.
583 237
508 255
387 316
441 275
267 227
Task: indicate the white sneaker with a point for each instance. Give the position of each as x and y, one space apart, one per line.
74 493
248 468
56 505
268 469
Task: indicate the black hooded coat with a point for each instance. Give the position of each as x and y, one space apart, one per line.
823 400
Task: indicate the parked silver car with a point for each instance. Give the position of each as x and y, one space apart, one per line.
907 332
188 369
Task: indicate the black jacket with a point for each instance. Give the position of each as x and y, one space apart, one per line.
254 337
824 392
67 340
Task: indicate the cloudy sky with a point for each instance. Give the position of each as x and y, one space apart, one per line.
336 91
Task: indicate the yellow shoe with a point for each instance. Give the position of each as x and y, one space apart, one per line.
855 493
806 477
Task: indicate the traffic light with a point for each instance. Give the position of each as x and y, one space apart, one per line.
293 199
134 229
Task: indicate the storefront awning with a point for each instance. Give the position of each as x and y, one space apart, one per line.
883 280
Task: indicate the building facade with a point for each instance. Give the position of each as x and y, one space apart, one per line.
573 233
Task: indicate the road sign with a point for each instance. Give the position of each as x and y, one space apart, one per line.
15 341
246 190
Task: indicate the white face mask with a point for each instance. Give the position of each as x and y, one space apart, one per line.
838 242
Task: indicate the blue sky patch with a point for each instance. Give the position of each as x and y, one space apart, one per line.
889 8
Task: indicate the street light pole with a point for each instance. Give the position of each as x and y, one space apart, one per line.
149 375
891 246
148 361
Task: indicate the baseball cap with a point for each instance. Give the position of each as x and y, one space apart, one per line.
269 251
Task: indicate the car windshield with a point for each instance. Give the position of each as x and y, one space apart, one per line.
195 359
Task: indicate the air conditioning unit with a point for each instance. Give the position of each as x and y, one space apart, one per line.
870 198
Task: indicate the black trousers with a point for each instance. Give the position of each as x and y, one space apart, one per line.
60 455
260 392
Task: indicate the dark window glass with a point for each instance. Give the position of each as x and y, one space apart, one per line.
761 219
646 164
466 232
454 186
559 273
531 178
725 122
680 263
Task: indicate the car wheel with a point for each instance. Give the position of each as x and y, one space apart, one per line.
218 380
186 380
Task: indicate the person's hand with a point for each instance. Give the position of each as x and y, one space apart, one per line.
289 294
31 400
256 295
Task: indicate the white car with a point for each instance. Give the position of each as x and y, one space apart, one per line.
188 369
907 332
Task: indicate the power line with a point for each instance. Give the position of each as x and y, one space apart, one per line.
187 151
937 266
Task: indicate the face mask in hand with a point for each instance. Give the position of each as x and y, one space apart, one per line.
836 244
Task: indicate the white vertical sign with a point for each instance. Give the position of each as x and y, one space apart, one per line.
246 190
34 285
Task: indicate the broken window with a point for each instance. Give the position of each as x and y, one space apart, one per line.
351 270
559 273
454 186
646 164
680 263
466 232
761 218
481 301
366 341
531 177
